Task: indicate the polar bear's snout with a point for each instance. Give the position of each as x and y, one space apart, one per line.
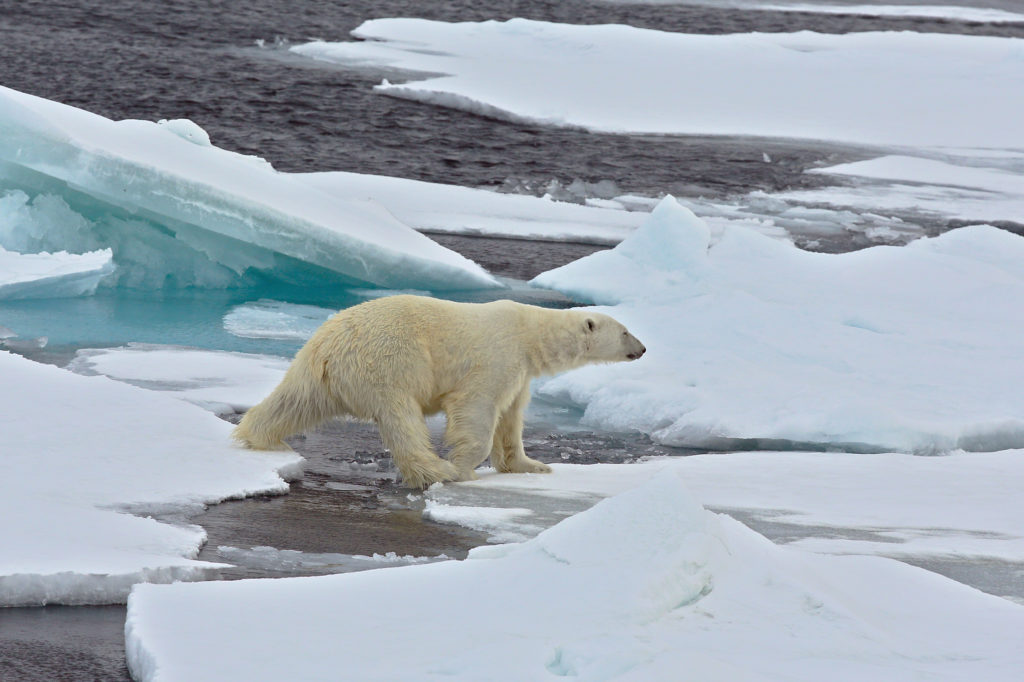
634 349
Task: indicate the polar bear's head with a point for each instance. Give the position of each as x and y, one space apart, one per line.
609 341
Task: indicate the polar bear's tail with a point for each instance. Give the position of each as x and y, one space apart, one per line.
298 403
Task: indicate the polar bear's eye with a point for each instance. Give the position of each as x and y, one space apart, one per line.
590 324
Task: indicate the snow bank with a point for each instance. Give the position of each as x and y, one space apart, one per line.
447 208
51 275
177 211
889 348
75 451
679 588
940 188
904 89
219 381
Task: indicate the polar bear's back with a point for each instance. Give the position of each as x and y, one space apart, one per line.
426 346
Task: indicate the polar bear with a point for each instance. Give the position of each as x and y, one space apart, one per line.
394 360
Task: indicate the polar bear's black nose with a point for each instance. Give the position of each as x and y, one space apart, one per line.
634 356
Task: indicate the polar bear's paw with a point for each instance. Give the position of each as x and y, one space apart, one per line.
468 475
424 473
528 465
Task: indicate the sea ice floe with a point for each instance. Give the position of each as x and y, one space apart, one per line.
78 452
219 381
177 212
897 505
880 88
51 275
640 587
752 341
953 189
433 207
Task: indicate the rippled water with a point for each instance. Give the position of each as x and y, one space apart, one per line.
198 60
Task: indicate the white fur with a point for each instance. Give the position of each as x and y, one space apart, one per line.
396 359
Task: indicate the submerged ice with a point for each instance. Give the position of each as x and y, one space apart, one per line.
178 212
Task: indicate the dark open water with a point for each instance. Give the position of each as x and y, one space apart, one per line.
199 60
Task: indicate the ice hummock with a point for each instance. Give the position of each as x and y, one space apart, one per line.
52 275
178 212
752 341
78 454
640 587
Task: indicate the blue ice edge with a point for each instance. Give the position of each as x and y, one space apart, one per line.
180 213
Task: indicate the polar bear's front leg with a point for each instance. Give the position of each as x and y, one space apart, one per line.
405 433
507 452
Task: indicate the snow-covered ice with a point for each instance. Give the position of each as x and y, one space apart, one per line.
750 339
178 212
80 451
219 381
951 189
433 207
51 275
881 88
642 586
961 505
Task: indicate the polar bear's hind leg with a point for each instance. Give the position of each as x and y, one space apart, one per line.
405 434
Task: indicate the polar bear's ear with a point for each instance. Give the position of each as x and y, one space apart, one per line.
590 324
